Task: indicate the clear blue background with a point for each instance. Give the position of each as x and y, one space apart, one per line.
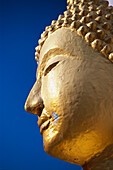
21 23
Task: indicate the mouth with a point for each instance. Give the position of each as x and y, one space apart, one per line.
43 121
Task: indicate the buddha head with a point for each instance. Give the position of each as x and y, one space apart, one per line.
73 92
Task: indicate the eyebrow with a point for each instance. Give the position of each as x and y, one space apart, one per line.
52 53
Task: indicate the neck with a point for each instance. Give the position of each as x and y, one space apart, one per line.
103 161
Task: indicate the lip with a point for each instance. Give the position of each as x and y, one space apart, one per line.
44 126
43 121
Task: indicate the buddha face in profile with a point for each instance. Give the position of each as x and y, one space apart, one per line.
73 95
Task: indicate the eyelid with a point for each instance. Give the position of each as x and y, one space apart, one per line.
50 67
55 59
53 62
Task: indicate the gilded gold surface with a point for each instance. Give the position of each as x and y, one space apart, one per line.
73 98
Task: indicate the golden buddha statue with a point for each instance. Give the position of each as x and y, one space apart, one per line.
73 93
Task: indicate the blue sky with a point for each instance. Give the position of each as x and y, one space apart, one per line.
21 23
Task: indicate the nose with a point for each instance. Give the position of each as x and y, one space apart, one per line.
34 103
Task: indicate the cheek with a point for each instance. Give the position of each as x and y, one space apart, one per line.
53 86
58 82
57 91
51 89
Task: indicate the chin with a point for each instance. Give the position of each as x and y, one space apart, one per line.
77 150
51 140
57 146
57 149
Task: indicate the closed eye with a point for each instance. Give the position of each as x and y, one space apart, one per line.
50 67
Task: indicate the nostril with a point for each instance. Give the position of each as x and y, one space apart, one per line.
39 109
39 106
34 108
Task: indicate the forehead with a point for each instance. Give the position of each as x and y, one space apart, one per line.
64 40
68 41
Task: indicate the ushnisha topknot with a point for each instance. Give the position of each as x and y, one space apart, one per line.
91 19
